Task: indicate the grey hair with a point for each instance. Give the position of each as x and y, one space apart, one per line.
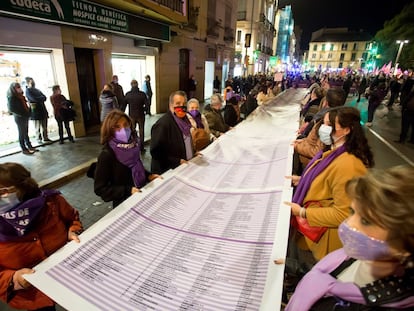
216 99
193 100
180 93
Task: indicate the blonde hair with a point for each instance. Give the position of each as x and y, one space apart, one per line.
387 199
216 99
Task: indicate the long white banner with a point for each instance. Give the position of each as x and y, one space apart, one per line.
202 238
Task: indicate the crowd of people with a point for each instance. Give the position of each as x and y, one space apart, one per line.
351 230
345 214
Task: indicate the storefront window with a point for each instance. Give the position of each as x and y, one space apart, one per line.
14 67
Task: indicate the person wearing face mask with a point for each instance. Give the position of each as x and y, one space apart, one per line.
200 131
375 268
171 143
214 117
307 144
34 223
119 171
320 196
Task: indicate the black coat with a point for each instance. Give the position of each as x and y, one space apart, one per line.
113 180
17 107
167 144
37 104
137 101
230 115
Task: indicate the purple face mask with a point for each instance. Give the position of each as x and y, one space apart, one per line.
123 134
194 113
360 246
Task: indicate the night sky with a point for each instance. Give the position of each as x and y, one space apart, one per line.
368 15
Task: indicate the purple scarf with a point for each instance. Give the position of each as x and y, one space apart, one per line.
307 294
18 220
184 125
129 155
197 118
310 173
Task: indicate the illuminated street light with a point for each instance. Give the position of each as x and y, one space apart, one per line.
401 43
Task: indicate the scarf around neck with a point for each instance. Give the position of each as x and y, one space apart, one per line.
184 124
307 294
197 118
21 216
312 171
129 155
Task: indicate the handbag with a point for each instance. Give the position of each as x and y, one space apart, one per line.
314 233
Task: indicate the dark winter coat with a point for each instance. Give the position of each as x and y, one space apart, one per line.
37 104
137 101
167 144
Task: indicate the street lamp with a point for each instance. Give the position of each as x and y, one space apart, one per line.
401 43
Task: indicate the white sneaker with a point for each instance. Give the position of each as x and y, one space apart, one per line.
369 124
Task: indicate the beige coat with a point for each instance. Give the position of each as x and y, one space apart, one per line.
308 147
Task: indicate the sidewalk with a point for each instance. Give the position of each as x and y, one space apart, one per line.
55 164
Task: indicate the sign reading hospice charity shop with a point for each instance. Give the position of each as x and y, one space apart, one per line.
69 12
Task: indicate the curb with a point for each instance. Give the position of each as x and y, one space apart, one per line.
66 176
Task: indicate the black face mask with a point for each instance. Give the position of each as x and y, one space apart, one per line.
180 111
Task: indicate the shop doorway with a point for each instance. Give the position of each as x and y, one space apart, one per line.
87 88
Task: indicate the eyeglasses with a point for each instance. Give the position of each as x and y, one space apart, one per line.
5 190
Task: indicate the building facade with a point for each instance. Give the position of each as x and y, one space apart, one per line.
284 44
203 47
332 49
255 36
80 44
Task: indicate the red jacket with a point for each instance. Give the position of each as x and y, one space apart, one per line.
49 233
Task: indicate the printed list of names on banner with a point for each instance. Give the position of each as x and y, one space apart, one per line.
181 255
203 238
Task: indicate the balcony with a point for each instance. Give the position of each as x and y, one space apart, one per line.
193 13
213 27
175 5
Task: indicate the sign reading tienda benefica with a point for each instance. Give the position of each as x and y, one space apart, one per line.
101 17
86 14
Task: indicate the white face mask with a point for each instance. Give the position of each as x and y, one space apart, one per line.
7 201
325 134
